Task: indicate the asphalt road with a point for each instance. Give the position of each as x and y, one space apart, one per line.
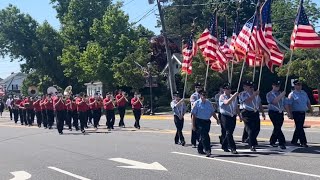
148 153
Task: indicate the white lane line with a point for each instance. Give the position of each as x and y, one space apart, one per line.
68 173
251 165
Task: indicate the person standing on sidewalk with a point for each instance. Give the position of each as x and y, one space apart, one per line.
193 98
276 105
228 105
299 103
179 109
201 114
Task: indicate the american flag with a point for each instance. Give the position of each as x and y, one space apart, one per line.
242 41
224 46
208 42
218 66
188 52
260 37
276 56
303 35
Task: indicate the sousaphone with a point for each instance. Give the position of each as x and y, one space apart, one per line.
68 91
33 91
52 90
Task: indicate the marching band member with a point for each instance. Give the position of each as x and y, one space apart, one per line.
23 115
9 104
59 107
16 110
201 114
193 98
137 104
37 109
109 107
179 108
229 110
28 103
49 108
276 105
44 111
251 104
299 103
88 112
82 110
72 115
95 105
121 102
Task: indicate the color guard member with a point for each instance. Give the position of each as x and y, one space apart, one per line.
179 108
193 98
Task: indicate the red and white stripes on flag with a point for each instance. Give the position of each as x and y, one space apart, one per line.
218 66
304 35
242 41
188 52
276 56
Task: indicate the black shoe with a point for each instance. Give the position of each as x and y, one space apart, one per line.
253 149
234 152
83 131
176 142
201 152
70 129
60 133
283 147
208 153
226 150
273 145
183 143
304 145
112 127
50 127
123 126
194 146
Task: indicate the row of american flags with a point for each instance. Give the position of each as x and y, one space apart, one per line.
254 44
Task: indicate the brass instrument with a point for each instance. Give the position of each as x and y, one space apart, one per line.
52 90
68 91
140 99
33 91
125 96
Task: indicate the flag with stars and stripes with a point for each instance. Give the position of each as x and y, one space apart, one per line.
303 35
188 52
234 34
208 42
243 39
218 66
276 56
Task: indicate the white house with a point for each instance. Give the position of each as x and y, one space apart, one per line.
13 83
93 87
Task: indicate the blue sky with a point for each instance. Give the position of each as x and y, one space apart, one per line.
42 10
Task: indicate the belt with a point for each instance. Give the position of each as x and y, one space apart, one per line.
301 112
229 115
273 111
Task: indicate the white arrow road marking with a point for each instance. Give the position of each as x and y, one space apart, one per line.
68 173
251 165
20 175
139 165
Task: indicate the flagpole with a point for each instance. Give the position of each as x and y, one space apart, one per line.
254 68
241 74
288 71
205 81
231 73
228 69
260 75
185 85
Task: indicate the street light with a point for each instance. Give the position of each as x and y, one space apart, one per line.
149 65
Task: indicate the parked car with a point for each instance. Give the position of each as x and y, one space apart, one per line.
315 95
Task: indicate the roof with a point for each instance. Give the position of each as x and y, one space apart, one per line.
93 83
12 76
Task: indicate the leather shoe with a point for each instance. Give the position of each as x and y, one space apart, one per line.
273 145
253 149
283 147
234 152
208 153
304 145
201 152
226 150
183 143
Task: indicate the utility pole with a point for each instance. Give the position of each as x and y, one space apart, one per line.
171 76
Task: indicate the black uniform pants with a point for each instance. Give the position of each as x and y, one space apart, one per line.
75 118
137 116
69 119
39 118
204 138
229 124
24 115
60 120
16 115
96 113
50 117
277 121
110 118
44 118
83 119
10 111
252 125
122 111
89 116
179 125
194 135
299 134
223 130
30 116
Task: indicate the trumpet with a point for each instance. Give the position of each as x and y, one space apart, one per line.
124 96
140 99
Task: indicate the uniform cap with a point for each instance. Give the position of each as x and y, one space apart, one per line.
226 86
276 83
297 81
197 84
248 83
